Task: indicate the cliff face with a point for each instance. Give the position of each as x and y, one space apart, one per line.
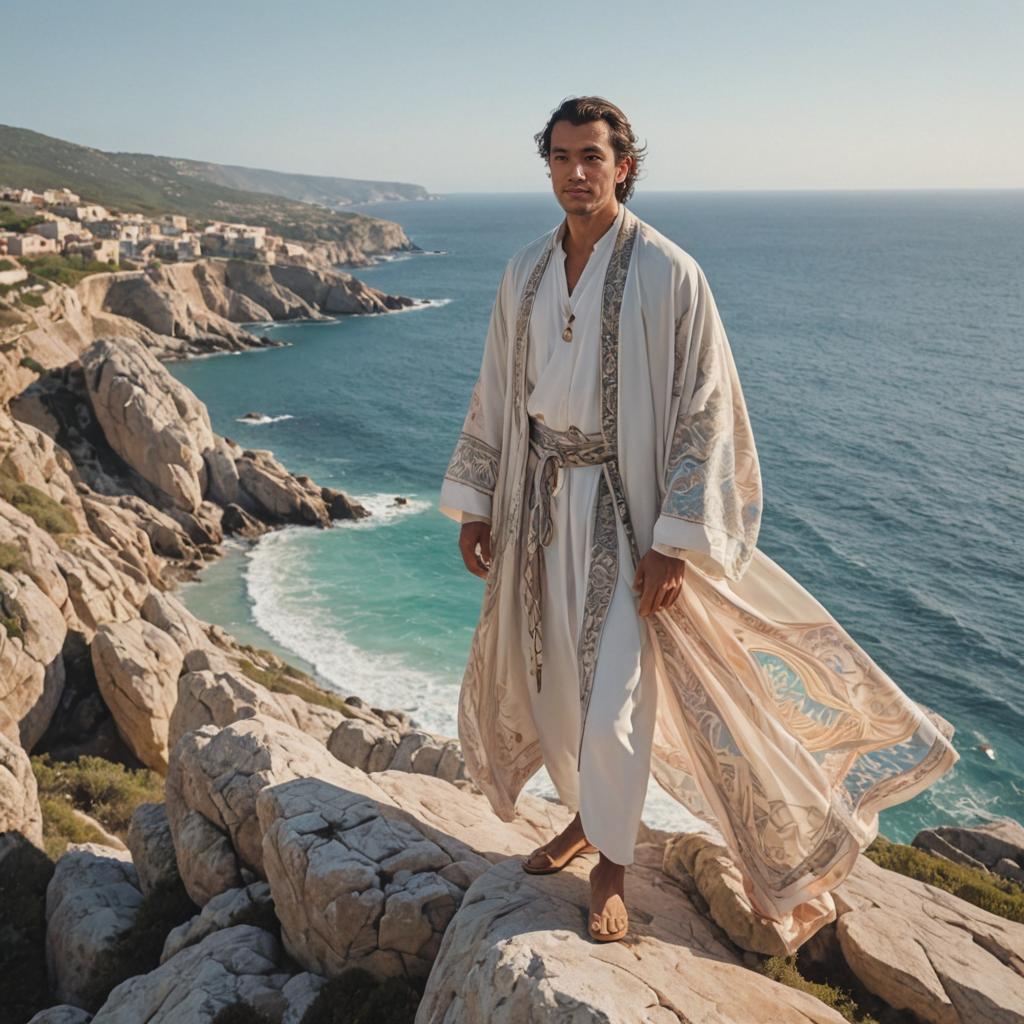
177 310
366 238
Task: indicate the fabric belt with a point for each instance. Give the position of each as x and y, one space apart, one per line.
555 450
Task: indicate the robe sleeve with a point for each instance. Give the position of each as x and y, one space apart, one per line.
712 488
472 471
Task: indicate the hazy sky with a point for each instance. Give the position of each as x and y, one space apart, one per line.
727 95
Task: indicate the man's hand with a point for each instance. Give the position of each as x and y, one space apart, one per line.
659 580
473 536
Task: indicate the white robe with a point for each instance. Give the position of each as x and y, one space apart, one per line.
772 723
607 779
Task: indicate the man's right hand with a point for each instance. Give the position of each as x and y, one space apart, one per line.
473 536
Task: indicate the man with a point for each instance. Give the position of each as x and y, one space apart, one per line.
609 493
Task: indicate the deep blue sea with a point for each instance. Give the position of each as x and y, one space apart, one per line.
879 338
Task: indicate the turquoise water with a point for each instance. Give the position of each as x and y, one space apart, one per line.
880 341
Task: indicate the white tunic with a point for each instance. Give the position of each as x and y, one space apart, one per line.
563 385
563 388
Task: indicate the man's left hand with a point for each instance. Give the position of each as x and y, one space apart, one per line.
659 580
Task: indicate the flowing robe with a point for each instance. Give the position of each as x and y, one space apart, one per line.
596 748
772 725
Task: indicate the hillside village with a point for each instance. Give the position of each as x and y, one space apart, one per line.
59 221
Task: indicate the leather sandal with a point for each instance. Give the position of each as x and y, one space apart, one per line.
595 918
553 863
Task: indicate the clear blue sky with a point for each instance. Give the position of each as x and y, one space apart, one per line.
728 95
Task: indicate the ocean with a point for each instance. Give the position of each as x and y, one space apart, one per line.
879 338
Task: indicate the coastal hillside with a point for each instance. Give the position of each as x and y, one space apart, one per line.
304 188
154 184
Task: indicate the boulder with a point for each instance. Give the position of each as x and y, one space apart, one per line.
31 667
167 613
277 496
240 964
704 866
217 775
997 845
236 906
219 695
137 666
356 881
301 993
149 419
373 747
63 1014
206 859
91 901
152 847
19 797
518 950
922 949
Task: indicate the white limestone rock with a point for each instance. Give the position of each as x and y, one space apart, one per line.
224 911
151 420
91 901
137 666
152 847
240 964
214 779
356 882
63 1014
19 797
922 949
518 950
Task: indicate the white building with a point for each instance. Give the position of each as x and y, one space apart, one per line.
103 250
82 213
61 229
60 195
31 245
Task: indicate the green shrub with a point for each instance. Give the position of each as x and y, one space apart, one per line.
33 299
8 265
12 615
356 997
11 557
23 880
107 791
289 679
64 269
784 970
32 364
982 888
61 826
12 627
46 513
12 220
138 950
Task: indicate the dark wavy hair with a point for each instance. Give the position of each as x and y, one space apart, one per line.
583 109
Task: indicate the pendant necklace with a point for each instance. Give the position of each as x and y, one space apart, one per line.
567 331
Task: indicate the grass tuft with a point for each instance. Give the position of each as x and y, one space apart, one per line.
784 970
982 888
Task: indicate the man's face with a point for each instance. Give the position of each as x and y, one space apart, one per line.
583 168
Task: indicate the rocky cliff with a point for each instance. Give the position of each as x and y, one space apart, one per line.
232 842
175 311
